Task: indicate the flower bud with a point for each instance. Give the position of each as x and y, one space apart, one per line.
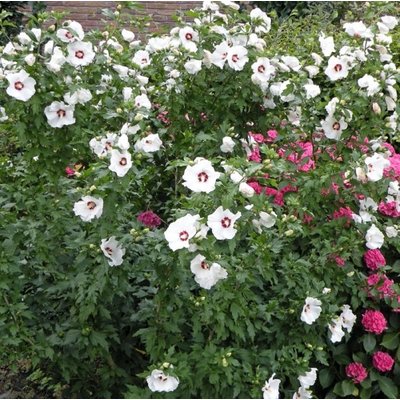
166 365
350 274
224 362
118 110
51 28
376 109
92 188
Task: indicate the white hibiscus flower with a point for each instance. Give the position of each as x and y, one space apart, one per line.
141 58
263 71
104 145
375 166
205 275
327 45
311 310
21 85
271 388
309 378
302 393
374 238
88 208
370 83
348 318
71 32
149 144
227 144
159 382
59 114
335 328
220 54
80 96
112 250
337 68
142 101
237 57
128 36
181 231
193 66
201 176
333 127
357 29
222 223
188 38
80 53
120 162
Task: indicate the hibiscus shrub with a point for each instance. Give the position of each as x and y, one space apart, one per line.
203 213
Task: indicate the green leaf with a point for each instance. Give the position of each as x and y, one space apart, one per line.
369 343
390 340
348 388
388 387
325 378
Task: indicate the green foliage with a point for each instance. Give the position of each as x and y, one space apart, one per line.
92 330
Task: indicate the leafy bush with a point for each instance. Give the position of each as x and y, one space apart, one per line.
203 212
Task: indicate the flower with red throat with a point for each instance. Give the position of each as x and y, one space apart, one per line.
357 372
382 361
374 259
374 321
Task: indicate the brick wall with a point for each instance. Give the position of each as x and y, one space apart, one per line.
88 13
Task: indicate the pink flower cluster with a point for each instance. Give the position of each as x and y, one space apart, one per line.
149 218
357 372
374 259
301 156
389 209
385 288
374 321
344 212
382 361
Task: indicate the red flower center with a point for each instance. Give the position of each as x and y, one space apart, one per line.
61 113
235 58
108 145
109 250
336 126
91 205
226 222
69 35
183 236
144 60
261 69
79 54
18 85
204 265
338 67
202 177
123 161
188 36
224 55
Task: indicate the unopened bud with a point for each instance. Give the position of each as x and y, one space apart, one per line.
51 28
119 110
289 232
376 109
92 188
224 362
166 365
